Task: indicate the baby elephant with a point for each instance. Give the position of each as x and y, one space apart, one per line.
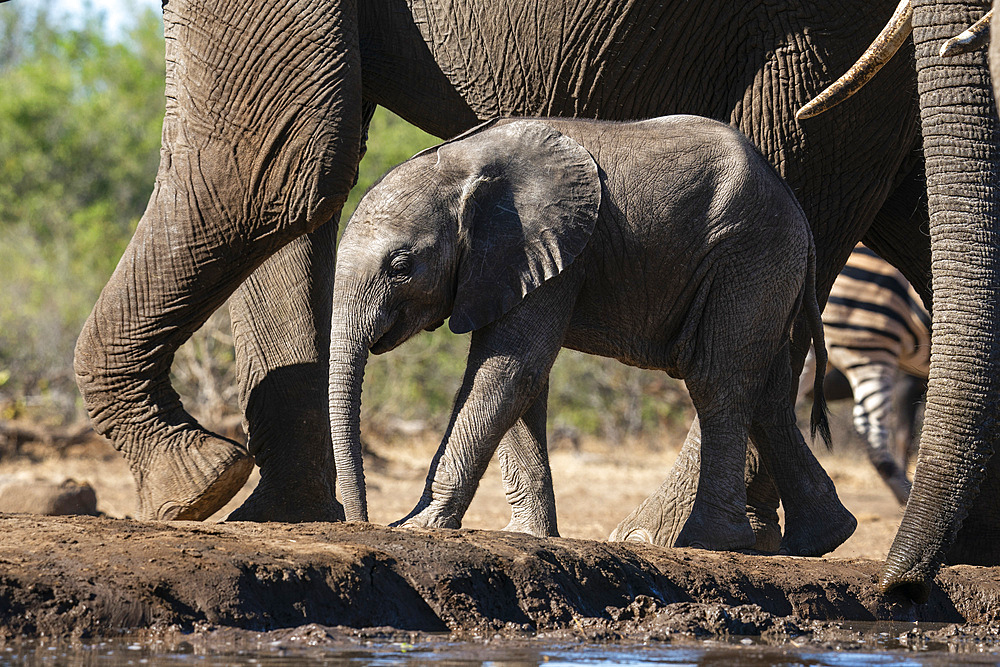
669 244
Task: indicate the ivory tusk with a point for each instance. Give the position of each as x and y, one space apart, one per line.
871 61
972 39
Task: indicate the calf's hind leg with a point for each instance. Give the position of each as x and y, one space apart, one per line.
527 477
718 518
661 516
816 522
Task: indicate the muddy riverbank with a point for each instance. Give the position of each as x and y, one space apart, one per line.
97 577
292 589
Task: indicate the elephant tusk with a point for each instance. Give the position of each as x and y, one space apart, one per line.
976 37
878 54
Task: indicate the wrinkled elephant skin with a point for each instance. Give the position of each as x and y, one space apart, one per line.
265 115
651 242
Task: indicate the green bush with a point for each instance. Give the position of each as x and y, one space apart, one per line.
80 118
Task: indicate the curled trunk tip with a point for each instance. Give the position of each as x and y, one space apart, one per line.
916 589
976 37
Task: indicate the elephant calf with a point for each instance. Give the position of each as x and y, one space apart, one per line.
668 243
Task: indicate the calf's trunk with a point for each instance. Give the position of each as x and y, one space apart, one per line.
349 344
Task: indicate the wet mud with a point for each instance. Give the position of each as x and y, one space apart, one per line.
85 578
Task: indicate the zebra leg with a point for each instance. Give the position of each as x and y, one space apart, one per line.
909 394
873 392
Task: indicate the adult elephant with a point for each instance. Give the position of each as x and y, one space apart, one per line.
956 480
955 500
266 112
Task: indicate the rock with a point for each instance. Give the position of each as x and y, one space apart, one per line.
47 497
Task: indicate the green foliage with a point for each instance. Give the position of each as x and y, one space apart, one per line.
594 396
80 117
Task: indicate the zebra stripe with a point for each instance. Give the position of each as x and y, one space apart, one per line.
874 325
874 315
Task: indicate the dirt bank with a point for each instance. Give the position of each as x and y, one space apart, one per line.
96 577
319 584
596 484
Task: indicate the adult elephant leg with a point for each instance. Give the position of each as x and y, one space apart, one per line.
281 325
978 540
899 232
281 321
762 502
256 151
661 516
959 127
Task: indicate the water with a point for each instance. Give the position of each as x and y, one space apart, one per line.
311 647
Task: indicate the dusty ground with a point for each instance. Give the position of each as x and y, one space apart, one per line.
84 576
596 486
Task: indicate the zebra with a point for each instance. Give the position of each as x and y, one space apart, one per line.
875 325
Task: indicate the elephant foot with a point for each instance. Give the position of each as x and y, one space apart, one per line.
817 530
977 543
978 540
662 521
766 530
274 499
534 514
717 531
762 505
191 481
656 521
732 537
535 528
429 516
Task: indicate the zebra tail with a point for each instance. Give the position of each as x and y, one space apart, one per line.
818 419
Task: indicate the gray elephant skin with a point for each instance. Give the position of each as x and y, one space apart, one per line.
267 105
669 244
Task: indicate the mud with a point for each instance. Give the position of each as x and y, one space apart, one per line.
85 577
70 586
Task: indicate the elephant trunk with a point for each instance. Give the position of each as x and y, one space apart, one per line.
961 152
349 344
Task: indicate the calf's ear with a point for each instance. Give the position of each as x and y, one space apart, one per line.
529 202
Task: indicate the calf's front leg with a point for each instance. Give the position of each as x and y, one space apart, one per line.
508 368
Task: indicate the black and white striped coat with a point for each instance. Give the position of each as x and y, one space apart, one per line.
875 325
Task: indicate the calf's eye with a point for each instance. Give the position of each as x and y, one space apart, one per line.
400 266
